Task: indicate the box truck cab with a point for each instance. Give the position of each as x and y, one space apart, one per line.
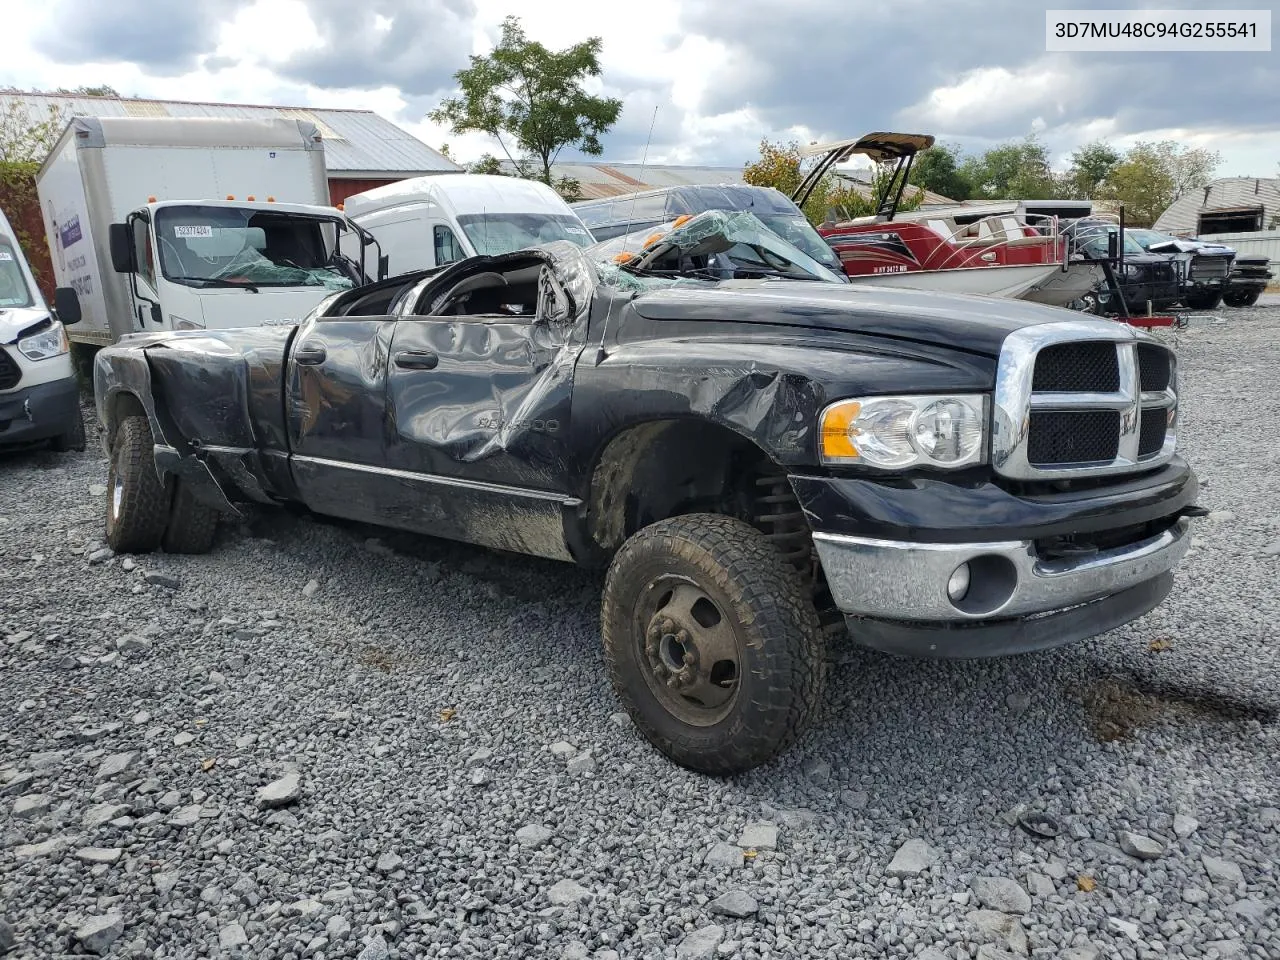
218 264
39 395
430 221
161 223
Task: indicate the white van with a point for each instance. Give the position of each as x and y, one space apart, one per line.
39 395
430 221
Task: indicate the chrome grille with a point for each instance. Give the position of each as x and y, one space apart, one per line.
1082 398
1207 268
10 372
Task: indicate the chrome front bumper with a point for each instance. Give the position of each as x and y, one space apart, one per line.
903 581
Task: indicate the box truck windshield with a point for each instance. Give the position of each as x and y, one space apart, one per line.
497 233
226 246
13 285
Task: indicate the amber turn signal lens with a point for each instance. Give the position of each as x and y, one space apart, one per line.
838 430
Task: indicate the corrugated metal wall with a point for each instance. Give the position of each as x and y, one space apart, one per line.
1266 243
1183 215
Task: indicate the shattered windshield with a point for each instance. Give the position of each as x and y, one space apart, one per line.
230 246
715 245
13 285
498 233
1095 241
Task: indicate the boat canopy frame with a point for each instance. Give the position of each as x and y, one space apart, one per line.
879 147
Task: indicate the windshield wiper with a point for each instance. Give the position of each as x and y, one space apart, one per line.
218 282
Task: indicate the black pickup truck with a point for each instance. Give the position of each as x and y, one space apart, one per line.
761 464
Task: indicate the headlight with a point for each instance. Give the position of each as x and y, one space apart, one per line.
898 432
51 342
180 323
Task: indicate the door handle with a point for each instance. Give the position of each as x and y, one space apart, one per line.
417 360
310 354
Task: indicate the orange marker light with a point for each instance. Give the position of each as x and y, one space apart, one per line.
250 198
837 426
683 219
625 256
230 196
271 199
151 199
342 206
652 239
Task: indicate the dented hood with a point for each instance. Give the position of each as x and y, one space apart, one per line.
969 323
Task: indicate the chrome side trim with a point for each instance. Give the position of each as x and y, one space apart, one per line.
1014 399
477 485
896 580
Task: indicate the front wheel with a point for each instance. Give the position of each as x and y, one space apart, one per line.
712 643
137 502
1202 301
1241 298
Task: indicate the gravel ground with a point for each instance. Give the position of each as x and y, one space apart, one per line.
449 776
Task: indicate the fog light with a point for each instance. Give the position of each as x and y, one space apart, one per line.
958 585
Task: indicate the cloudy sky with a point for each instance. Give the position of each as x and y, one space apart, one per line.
722 73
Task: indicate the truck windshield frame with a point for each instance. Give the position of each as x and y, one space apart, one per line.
213 246
493 234
14 292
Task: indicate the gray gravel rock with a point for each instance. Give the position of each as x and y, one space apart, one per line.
232 937
280 793
734 903
98 854
115 765
533 836
1222 871
582 763
1001 894
759 836
375 949
1140 847
1041 886
1003 930
724 855
567 892
31 806
1184 826
389 862
97 934
912 859
701 944
8 940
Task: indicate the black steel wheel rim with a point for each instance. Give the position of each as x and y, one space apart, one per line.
688 649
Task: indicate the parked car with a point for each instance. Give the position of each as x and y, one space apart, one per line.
39 393
1205 267
1250 274
750 460
1146 280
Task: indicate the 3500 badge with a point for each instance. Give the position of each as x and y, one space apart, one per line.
537 426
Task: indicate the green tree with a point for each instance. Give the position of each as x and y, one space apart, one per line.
938 169
780 166
1152 175
26 138
531 100
1090 167
487 164
1012 171
99 91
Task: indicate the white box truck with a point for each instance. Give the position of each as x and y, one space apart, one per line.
163 223
434 220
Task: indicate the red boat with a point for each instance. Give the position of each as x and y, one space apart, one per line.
955 249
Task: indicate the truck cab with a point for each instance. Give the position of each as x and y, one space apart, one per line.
210 264
433 221
39 394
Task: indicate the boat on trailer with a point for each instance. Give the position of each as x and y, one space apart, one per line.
1001 249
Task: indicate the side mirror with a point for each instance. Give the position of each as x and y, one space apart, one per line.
156 316
66 304
384 266
121 240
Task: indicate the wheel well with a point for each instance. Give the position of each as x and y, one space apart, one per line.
667 468
123 405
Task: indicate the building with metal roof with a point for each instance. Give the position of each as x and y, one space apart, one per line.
361 149
597 181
